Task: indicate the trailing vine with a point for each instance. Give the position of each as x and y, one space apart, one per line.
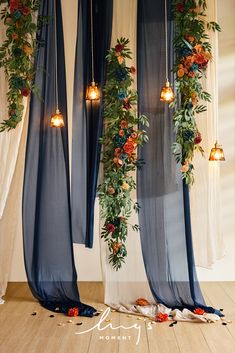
120 141
193 54
16 55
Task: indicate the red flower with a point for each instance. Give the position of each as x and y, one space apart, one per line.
129 147
199 311
180 7
73 312
126 104
25 92
25 10
119 47
198 139
110 227
160 317
200 59
142 302
121 133
14 5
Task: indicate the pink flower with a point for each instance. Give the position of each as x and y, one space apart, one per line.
185 167
110 227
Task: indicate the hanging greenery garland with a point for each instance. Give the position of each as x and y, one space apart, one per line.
16 55
120 141
193 54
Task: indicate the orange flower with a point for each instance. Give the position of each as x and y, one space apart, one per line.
199 311
111 190
73 312
192 74
125 186
160 317
207 55
120 59
129 147
124 124
189 38
185 167
132 70
142 302
198 48
27 49
121 133
180 73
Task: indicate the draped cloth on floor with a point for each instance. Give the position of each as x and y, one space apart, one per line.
164 215
48 251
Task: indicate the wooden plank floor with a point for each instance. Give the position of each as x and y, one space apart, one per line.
20 332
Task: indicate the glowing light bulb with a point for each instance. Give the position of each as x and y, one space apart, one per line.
93 92
57 119
217 153
167 94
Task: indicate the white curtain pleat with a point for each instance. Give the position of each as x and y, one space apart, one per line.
12 146
129 283
205 193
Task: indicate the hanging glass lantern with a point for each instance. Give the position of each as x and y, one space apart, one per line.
167 94
93 92
57 119
217 153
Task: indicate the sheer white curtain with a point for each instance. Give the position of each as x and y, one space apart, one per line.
205 193
129 283
11 176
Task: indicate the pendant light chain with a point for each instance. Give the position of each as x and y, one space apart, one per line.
92 44
56 63
166 36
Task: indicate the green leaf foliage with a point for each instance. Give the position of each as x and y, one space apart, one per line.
17 54
120 140
193 55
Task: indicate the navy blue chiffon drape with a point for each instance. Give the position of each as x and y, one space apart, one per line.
164 217
87 115
47 235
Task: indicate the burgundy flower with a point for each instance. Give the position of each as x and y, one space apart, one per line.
198 139
119 47
25 10
110 227
180 7
25 92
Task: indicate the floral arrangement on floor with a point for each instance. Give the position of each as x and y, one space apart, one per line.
16 55
120 141
193 54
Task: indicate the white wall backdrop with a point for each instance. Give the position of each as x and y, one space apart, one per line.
88 260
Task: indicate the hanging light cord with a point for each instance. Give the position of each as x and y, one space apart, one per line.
92 44
56 64
166 36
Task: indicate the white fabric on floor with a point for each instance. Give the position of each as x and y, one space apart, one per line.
129 283
205 193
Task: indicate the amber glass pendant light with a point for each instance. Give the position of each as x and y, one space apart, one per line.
167 94
57 119
93 92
